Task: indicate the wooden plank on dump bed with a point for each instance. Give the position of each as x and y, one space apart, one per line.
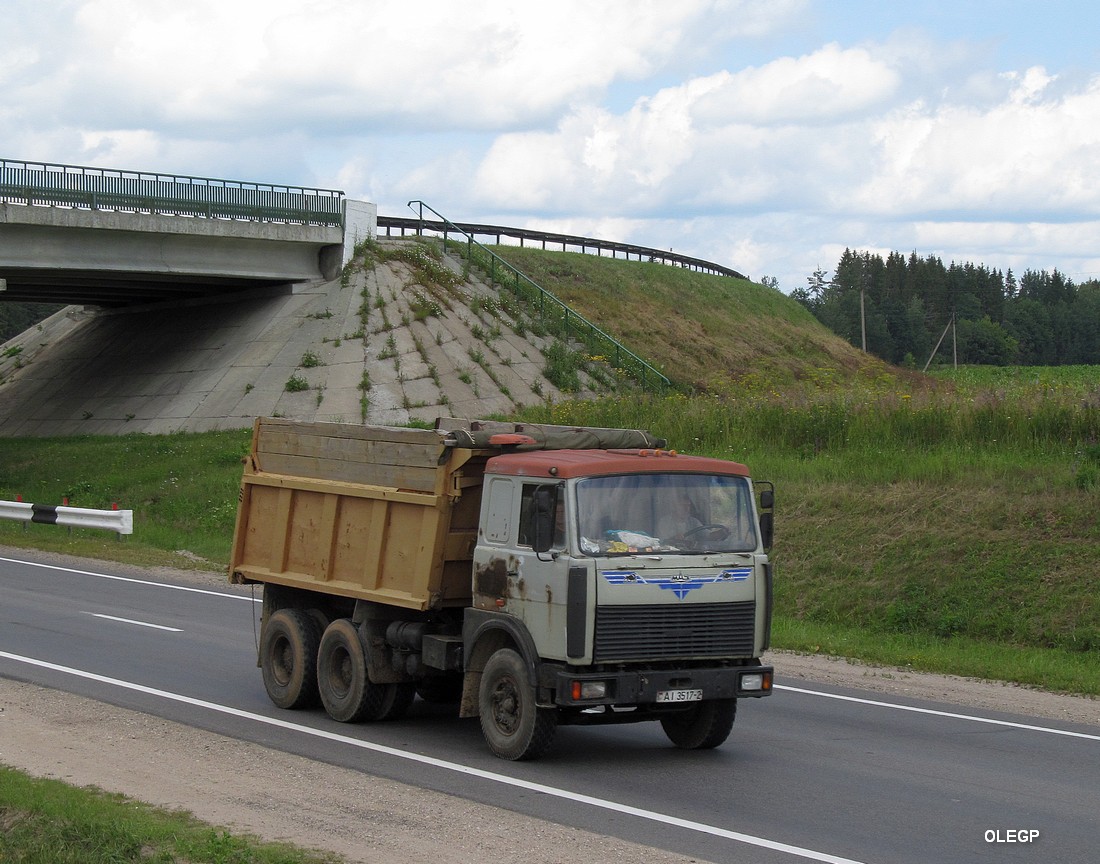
371 513
372 455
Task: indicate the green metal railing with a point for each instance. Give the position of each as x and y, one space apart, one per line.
564 321
44 184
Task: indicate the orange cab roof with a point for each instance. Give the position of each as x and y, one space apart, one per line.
564 464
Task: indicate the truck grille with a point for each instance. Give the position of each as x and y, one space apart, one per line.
683 631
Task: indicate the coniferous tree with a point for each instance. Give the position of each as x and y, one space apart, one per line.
1042 318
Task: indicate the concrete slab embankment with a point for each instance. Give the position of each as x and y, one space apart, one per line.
357 349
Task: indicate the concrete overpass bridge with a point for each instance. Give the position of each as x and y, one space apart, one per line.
198 304
94 236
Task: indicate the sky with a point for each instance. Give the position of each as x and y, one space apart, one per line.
762 135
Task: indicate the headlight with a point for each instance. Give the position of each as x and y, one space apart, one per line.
752 681
582 690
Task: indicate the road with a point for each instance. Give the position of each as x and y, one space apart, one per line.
814 772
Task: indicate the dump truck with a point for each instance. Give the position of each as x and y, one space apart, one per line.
534 575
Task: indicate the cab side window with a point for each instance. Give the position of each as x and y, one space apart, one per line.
499 523
527 515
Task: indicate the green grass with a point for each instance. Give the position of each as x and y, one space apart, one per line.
48 822
1063 382
182 489
704 332
1045 668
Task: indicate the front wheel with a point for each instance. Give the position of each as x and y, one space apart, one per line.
514 726
703 726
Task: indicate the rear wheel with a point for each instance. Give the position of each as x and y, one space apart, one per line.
703 726
395 701
514 726
346 692
288 658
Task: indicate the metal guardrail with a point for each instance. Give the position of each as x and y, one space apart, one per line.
549 307
642 253
119 521
78 187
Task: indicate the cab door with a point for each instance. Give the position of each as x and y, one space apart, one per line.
510 576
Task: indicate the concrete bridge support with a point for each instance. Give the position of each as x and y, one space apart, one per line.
112 258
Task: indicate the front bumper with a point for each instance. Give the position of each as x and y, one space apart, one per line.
641 686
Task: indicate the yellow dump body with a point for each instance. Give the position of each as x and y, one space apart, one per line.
369 512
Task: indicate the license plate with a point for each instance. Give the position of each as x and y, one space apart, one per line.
679 695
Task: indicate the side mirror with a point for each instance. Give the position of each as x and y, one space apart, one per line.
544 501
767 518
767 530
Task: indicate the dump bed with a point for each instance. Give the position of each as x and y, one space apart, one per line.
376 512
369 512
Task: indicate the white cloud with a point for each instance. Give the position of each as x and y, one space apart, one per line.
1030 153
216 68
830 85
729 129
709 142
1013 242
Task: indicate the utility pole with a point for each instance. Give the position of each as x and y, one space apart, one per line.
950 326
862 314
954 342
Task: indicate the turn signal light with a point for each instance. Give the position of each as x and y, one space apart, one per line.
756 681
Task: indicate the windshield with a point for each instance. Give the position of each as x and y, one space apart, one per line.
665 513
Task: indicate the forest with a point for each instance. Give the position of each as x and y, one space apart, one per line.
909 304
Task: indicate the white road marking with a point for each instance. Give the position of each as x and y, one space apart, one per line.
131 621
134 581
553 791
936 713
804 691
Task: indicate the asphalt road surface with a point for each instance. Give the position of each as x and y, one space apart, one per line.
814 772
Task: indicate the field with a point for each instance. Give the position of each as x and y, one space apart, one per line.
952 528
949 528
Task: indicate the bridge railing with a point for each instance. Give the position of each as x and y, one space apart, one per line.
41 183
547 307
567 241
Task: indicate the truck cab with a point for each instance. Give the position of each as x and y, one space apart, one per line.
635 583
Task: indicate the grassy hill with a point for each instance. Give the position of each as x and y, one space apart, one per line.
708 333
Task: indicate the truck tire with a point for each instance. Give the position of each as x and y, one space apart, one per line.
395 701
703 726
346 692
288 658
513 725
